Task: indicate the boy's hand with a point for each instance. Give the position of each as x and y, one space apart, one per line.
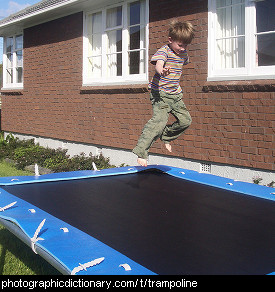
161 70
165 71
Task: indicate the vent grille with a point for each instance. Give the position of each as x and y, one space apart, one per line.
206 167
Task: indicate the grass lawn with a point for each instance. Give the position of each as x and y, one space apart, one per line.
7 169
16 258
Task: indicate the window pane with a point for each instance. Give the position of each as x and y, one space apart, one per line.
135 37
19 75
114 60
231 53
96 23
265 11
19 42
19 58
265 38
114 65
266 49
95 42
94 68
9 60
95 32
134 13
222 3
114 41
230 34
9 76
136 62
230 21
94 29
9 46
114 17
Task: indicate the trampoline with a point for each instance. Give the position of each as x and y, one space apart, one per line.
143 221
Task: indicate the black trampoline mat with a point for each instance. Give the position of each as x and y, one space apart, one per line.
166 224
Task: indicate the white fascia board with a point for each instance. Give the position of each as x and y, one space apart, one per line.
16 22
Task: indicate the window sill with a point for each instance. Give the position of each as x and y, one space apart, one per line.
114 89
240 86
11 91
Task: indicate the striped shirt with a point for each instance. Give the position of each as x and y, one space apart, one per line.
169 83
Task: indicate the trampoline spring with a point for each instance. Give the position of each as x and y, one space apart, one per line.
34 239
8 206
94 166
36 170
82 267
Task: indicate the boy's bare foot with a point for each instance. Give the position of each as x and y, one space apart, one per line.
168 147
142 161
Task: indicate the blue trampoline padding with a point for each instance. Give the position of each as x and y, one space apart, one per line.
246 188
66 250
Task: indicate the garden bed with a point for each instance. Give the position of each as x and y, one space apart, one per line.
24 154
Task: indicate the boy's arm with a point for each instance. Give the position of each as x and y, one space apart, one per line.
160 69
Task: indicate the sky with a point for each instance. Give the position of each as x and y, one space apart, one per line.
9 7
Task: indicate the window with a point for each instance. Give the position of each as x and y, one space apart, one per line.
241 39
115 44
13 62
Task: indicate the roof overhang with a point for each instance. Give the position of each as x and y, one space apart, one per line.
45 11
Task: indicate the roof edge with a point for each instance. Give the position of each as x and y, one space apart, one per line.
34 10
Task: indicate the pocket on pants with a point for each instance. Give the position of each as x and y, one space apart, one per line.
154 97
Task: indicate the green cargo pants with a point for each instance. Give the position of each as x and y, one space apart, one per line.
157 127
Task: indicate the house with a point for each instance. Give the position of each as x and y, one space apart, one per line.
75 75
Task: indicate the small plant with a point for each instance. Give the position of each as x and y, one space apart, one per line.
10 143
55 163
257 180
271 184
27 155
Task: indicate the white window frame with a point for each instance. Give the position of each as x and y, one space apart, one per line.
250 71
14 84
125 78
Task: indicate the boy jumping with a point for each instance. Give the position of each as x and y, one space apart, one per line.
166 93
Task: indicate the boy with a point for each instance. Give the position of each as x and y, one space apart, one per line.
166 93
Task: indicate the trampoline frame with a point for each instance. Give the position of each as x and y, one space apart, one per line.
29 223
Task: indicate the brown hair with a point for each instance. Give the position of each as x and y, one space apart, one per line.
181 31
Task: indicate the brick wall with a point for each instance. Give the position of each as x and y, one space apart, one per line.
232 121
49 104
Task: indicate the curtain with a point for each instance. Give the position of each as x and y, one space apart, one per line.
230 34
9 66
95 44
19 58
114 36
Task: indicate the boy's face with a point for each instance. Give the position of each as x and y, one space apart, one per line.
177 46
